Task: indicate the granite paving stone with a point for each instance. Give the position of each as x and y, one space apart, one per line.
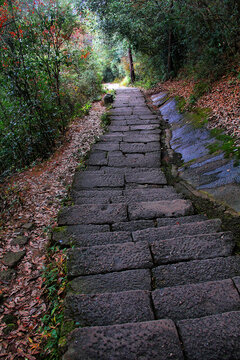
171 231
129 138
151 176
97 196
154 209
236 281
155 340
180 220
109 308
106 146
95 239
192 247
196 300
150 194
196 271
132 225
213 337
108 258
139 147
93 214
94 179
135 160
112 282
97 158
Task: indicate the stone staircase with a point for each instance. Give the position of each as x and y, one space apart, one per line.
149 278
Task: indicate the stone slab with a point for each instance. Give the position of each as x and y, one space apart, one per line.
95 179
106 146
192 247
108 258
196 300
114 128
104 238
139 147
132 225
154 209
135 160
151 176
236 281
138 120
150 194
144 127
155 340
180 220
112 282
11 258
97 196
213 337
93 214
129 138
196 271
109 308
171 231
97 158
111 138
121 111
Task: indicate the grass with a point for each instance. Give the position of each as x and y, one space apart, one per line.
225 143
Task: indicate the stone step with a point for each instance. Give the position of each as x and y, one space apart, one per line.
139 147
196 300
151 176
195 271
165 208
133 225
168 232
103 196
203 246
99 238
108 258
149 160
180 220
155 340
66 234
95 179
139 279
109 308
93 214
211 337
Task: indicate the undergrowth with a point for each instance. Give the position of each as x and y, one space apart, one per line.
54 284
227 144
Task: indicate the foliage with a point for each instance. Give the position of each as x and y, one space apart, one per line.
54 282
227 144
198 35
43 63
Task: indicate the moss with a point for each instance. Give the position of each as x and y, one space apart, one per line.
198 117
67 327
59 229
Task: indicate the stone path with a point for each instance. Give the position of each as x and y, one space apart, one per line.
149 278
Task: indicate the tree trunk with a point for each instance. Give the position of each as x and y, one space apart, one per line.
132 72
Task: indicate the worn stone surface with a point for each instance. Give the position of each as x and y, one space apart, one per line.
11 258
109 308
65 234
168 232
96 239
97 196
94 179
156 340
236 281
141 139
139 147
106 146
192 247
181 220
113 282
108 258
196 271
132 225
196 300
152 176
212 338
97 158
93 214
150 194
149 160
154 209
